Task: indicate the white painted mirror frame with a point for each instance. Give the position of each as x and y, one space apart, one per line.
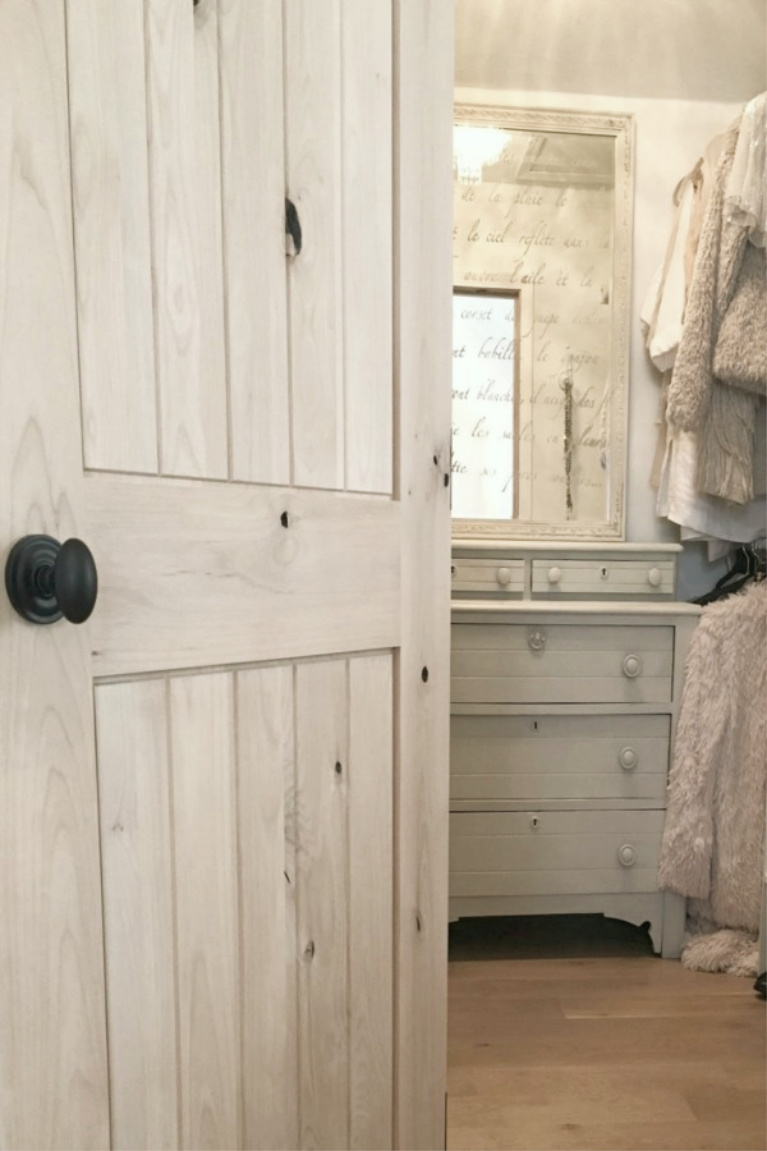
621 128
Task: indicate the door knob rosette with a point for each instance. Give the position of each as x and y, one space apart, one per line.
47 581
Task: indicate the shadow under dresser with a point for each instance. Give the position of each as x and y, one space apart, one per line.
566 677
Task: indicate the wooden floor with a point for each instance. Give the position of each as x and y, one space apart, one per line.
571 1034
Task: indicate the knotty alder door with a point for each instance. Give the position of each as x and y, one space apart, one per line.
223 800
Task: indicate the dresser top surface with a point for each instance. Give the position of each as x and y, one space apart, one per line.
493 609
521 548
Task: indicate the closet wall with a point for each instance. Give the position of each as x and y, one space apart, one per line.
684 69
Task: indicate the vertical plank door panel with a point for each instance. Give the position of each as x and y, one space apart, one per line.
205 823
184 163
323 928
53 1074
132 741
110 182
367 242
266 758
253 174
313 127
371 895
210 242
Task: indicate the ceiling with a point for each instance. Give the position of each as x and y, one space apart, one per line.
670 49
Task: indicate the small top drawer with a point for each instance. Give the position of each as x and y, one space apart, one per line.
603 577
500 576
561 663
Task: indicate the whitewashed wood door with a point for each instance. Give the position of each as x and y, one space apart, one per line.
223 861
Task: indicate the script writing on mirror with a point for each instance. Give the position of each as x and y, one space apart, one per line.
485 404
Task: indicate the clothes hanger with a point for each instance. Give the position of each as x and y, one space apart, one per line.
750 563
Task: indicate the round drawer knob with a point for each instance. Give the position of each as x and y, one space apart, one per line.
628 758
536 639
655 577
627 855
503 575
554 575
632 666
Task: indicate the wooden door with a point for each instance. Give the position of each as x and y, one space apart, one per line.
223 800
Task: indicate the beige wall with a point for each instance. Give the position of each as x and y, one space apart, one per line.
681 50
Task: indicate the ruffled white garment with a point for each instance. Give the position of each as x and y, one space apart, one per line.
699 515
662 314
746 192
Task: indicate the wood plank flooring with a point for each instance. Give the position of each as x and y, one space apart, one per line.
568 1033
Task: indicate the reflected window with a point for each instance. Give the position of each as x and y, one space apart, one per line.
485 404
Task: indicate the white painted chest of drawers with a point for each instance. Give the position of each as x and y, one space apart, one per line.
567 670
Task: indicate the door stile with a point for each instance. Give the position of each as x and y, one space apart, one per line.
423 95
53 1057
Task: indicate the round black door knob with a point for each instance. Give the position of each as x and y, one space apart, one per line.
46 580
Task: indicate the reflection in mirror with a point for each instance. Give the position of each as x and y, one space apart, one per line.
484 452
541 271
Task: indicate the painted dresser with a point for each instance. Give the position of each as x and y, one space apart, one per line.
566 677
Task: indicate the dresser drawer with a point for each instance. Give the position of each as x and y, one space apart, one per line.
600 577
558 757
503 577
560 663
554 852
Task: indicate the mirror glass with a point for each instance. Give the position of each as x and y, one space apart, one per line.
541 250
485 408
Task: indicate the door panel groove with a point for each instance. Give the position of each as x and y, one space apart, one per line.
105 958
252 665
174 906
139 477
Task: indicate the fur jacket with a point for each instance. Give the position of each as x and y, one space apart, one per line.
713 841
722 410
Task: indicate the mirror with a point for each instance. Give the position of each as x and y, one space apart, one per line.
541 259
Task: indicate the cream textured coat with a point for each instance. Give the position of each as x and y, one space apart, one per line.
713 842
724 415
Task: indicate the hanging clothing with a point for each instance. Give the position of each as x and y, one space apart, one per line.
746 191
662 315
740 354
674 472
723 416
701 516
704 174
713 840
